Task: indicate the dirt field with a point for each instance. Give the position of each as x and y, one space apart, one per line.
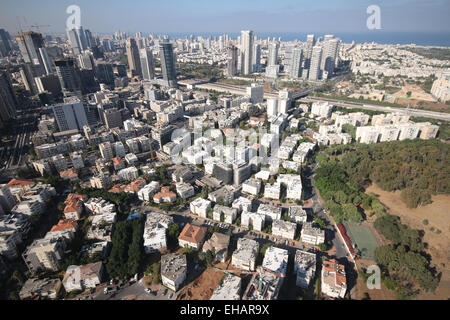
417 93
374 294
438 216
202 287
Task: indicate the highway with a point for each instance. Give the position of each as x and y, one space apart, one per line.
410 112
14 152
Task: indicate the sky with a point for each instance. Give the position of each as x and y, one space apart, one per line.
172 16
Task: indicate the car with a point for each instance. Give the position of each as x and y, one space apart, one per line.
92 291
165 291
170 296
148 290
106 291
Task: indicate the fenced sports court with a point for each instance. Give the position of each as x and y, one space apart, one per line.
365 238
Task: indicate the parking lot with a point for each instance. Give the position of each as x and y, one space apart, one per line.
130 291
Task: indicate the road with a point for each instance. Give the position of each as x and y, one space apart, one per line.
410 112
14 153
318 211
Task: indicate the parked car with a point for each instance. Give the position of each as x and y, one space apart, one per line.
148 290
170 296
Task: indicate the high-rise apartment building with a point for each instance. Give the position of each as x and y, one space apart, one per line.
68 75
70 115
168 63
316 57
256 58
232 61
147 64
8 99
247 49
134 62
295 70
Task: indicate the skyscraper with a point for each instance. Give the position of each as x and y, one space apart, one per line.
48 64
134 62
247 49
310 43
256 58
86 60
5 47
68 75
29 44
167 63
81 35
295 69
8 99
272 58
72 36
147 65
89 39
70 115
232 61
329 55
316 57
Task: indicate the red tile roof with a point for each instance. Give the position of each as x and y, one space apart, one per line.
17 182
192 233
64 225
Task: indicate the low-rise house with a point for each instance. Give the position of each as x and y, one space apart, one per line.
100 232
69 174
305 268
227 194
101 247
118 163
311 234
270 212
254 219
185 190
173 270
165 195
244 257
40 288
155 238
297 214
275 261
224 214
272 191
192 236
65 228
228 289
284 229
147 192
44 254
252 186
218 243
200 207
135 186
242 204
264 285
83 277
74 205
333 279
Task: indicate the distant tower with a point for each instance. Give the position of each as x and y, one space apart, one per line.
134 62
147 65
29 44
310 43
295 69
68 75
273 54
8 99
314 70
72 36
247 48
168 63
330 53
232 61
256 58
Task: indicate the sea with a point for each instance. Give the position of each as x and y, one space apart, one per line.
378 36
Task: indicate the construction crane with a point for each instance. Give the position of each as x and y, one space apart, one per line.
38 27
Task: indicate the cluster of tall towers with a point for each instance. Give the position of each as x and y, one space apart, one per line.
312 60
